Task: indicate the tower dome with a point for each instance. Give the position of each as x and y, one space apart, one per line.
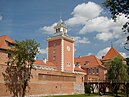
60 27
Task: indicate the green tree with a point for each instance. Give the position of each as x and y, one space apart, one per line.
117 7
87 88
116 72
19 66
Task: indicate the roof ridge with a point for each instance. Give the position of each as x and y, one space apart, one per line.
3 35
84 56
111 53
97 60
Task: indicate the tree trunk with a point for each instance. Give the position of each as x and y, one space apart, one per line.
24 88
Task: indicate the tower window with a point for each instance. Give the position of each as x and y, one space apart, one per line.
54 44
54 51
68 64
54 57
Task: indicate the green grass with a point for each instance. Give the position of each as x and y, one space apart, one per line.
80 95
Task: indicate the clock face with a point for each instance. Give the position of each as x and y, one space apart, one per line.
68 48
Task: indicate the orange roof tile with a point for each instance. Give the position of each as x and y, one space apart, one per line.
88 61
111 54
41 62
78 69
3 42
50 64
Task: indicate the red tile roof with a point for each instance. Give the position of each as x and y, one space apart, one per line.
41 62
78 69
88 61
3 42
111 54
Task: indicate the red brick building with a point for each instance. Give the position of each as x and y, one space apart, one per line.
111 54
61 73
92 66
54 76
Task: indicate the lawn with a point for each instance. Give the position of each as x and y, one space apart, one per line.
80 95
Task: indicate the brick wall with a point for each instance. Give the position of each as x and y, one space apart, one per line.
39 86
3 57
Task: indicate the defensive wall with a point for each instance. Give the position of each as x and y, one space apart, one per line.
45 83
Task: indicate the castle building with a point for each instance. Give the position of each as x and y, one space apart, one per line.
92 66
56 75
61 73
111 54
61 49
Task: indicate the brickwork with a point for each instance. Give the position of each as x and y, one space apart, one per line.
68 56
67 83
54 52
3 57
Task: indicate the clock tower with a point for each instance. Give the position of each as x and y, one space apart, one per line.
61 48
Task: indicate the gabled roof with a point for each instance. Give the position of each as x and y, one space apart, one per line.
88 61
111 54
3 42
41 62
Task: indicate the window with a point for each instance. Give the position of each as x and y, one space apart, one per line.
93 71
54 44
97 70
54 51
82 79
77 64
54 57
9 44
86 62
9 55
68 64
89 71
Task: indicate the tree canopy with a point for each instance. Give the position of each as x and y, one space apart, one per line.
118 7
117 70
19 66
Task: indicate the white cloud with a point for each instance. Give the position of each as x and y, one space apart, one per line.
1 17
84 12
104 36
98 24
48 29
102 52
79 40
80 15
88 15
90 54
43 51
124 54
107 29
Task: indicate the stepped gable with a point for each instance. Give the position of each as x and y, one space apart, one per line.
5 41
111 54
88 61
41 62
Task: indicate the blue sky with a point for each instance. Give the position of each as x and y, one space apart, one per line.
87 21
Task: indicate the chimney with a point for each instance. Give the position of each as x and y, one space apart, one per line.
45 60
